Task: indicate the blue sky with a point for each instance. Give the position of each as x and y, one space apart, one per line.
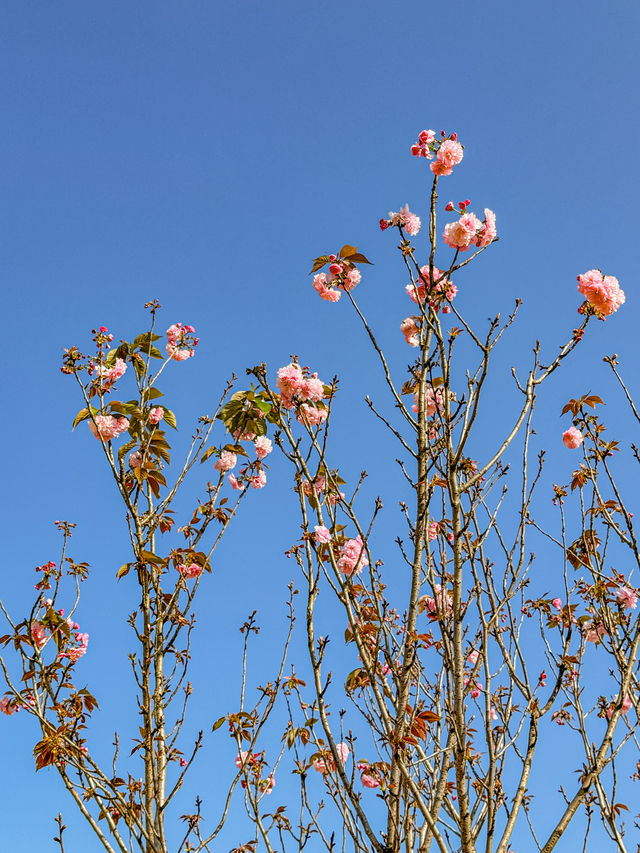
202 153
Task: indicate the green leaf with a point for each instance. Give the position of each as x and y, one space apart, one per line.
154 393
208 453
170 418
83 415
318 263
346 251
123 570
218 723
359 258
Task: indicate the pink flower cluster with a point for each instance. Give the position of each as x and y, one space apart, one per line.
319 486
469 230
342 276
448 152
626 707
156 415
410 328
321 534
369 775
404 219
7 706
433 401
193 570
326 763
38 634
603 292
438 294
440 604
627 597
254 764
226 462
257 481
352 557
180 342
107 427
298 387
572 438
263 446
109 375
74 654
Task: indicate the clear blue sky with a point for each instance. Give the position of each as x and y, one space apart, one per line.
202 153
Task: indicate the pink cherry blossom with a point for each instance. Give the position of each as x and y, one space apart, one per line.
433 401
311 415
226 462
135 459
352 557
38 634
259 480
488 234
109 375
290 380
572 438
409 221
193 570
351 278
321 286
557 603
627 597
156 415
594 633
450 153
321 534
234 483
241 758
312 389
107 427
270 783
603 292
627 704
263 446
461 234
432 531
411 331
74 654
7 706
473 656
326 764
368 777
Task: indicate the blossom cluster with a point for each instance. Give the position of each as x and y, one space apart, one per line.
253 763
342 276
107 427
448 152
438 293
325 762
302 391
469 230
181 342
602 292
108 376
402 219
352 558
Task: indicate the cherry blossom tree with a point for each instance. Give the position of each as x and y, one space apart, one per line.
460 664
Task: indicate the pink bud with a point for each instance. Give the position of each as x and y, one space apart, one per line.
333 257
384 224
335 269
415 150
449 205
